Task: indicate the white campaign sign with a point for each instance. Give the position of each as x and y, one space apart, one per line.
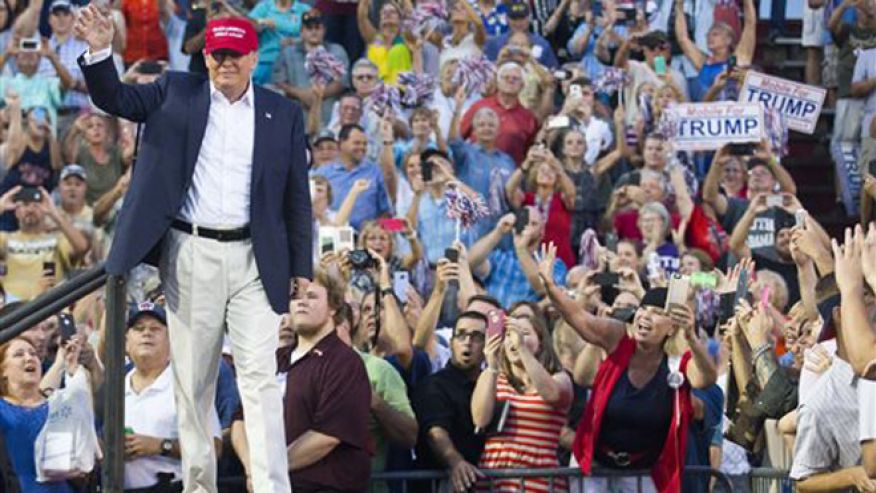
709 126
799 103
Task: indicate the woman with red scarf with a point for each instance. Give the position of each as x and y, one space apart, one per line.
638 414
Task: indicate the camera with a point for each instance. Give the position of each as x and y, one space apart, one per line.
361 260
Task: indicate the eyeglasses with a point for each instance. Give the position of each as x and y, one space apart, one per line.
364 76
471 336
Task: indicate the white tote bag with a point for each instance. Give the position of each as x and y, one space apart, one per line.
67 445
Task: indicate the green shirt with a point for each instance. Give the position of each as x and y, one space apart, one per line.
389 385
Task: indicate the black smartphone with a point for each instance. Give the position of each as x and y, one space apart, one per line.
625 313
607 282
149 67
66 327
521 219
741 149
49 269
451 254
426 170
731 63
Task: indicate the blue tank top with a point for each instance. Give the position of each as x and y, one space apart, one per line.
20 427
708 73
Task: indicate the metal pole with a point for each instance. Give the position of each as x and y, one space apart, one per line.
114 391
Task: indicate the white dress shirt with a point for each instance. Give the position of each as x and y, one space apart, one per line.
219 194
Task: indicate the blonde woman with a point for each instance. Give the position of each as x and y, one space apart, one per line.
638 414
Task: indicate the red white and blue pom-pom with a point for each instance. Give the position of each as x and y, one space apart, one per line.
588 250
427 16
611 80
383 99
776 130
465 208
474 73
416 89
323 67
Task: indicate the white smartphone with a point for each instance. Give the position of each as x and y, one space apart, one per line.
774 200
575 91
345 239
800 218
559 121
400 282
679 286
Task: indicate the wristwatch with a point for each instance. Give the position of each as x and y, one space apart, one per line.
166 447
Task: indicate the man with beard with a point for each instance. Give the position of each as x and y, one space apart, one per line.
443 406
327 396
35 259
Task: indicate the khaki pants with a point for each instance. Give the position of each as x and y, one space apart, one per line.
211 287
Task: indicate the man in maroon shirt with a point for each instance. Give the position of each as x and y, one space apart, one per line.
517 125
327 397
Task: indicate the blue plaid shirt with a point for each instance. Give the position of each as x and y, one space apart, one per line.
507 282
437 231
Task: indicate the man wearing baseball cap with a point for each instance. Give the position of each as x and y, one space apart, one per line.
215 200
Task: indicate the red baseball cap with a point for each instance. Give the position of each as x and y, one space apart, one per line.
231 33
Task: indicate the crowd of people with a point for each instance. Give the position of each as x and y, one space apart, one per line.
524 272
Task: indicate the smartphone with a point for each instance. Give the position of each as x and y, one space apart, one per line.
496 323
29 44
451 254
49 269
149 67
536 51
557 122
345 239
774 200
562 74
66 327
521 219
607 282
704 279
426 170
731 63
327 236
800 218
400 282
741 149
392 225
624 314
679 286
741 288
611 242
575 91
660 65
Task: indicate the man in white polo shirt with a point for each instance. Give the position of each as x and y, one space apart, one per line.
152 452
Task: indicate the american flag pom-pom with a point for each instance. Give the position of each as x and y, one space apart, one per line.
777 130
384 98
612 80
465 208
426 16
474 73
416 89
323 67
588 250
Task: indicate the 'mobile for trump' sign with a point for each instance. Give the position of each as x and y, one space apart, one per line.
709 126
799 103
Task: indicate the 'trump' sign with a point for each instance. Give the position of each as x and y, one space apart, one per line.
799 103
708 126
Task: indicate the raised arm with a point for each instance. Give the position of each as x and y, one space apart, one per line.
342 218
479 252
513 192
739 237
483 399
366 28
387 158
556 390
130 101
396 328
16 140
711 186
603 332
853 268
425 331
748 39
690 50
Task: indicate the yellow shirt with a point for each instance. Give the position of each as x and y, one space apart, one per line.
391 60
27 256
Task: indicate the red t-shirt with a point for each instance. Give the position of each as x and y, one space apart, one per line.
517 127
558 227
145 38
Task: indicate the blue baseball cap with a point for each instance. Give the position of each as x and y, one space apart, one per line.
137 310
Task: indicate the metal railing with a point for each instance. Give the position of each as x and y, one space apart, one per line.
54 300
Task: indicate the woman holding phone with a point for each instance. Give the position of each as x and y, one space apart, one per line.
524 393
637 417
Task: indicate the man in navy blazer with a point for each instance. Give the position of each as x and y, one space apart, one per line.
219 200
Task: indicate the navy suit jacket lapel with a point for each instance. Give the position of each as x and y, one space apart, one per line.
263 121
199 111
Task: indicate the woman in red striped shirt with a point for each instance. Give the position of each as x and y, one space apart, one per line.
527 394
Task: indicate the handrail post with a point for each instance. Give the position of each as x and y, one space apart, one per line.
114 392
